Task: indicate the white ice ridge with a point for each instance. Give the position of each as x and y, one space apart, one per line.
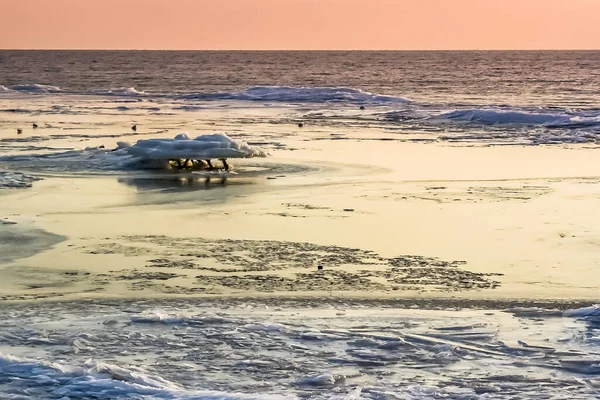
31 88
491 117
204 147
591 311
299 94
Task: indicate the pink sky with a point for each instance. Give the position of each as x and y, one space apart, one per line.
300 24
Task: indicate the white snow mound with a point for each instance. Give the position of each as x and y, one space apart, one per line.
204 147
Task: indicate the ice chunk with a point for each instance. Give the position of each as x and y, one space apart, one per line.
203 147
322 380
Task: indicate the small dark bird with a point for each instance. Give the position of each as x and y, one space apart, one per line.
134 128
19 131
300 124
362 107
35 125
319 267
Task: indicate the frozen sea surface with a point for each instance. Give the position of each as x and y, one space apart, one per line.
243 350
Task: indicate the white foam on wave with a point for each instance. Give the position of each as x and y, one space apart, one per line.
518 117
300 95
31 88
99 380
204 147
123 91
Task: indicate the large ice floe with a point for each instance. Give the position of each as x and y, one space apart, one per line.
182 147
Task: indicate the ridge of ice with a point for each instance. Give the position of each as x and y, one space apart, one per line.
32 88
299 94
591 311
499 116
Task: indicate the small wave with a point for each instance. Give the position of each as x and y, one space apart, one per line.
124 91
257 93
31 88
516 117
300 95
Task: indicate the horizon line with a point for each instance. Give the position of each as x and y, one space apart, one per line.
290 50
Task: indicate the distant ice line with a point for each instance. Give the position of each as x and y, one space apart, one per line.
257 93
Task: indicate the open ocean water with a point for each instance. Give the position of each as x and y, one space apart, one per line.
285 349
487 97
566 80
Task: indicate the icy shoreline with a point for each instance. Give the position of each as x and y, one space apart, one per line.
254 349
